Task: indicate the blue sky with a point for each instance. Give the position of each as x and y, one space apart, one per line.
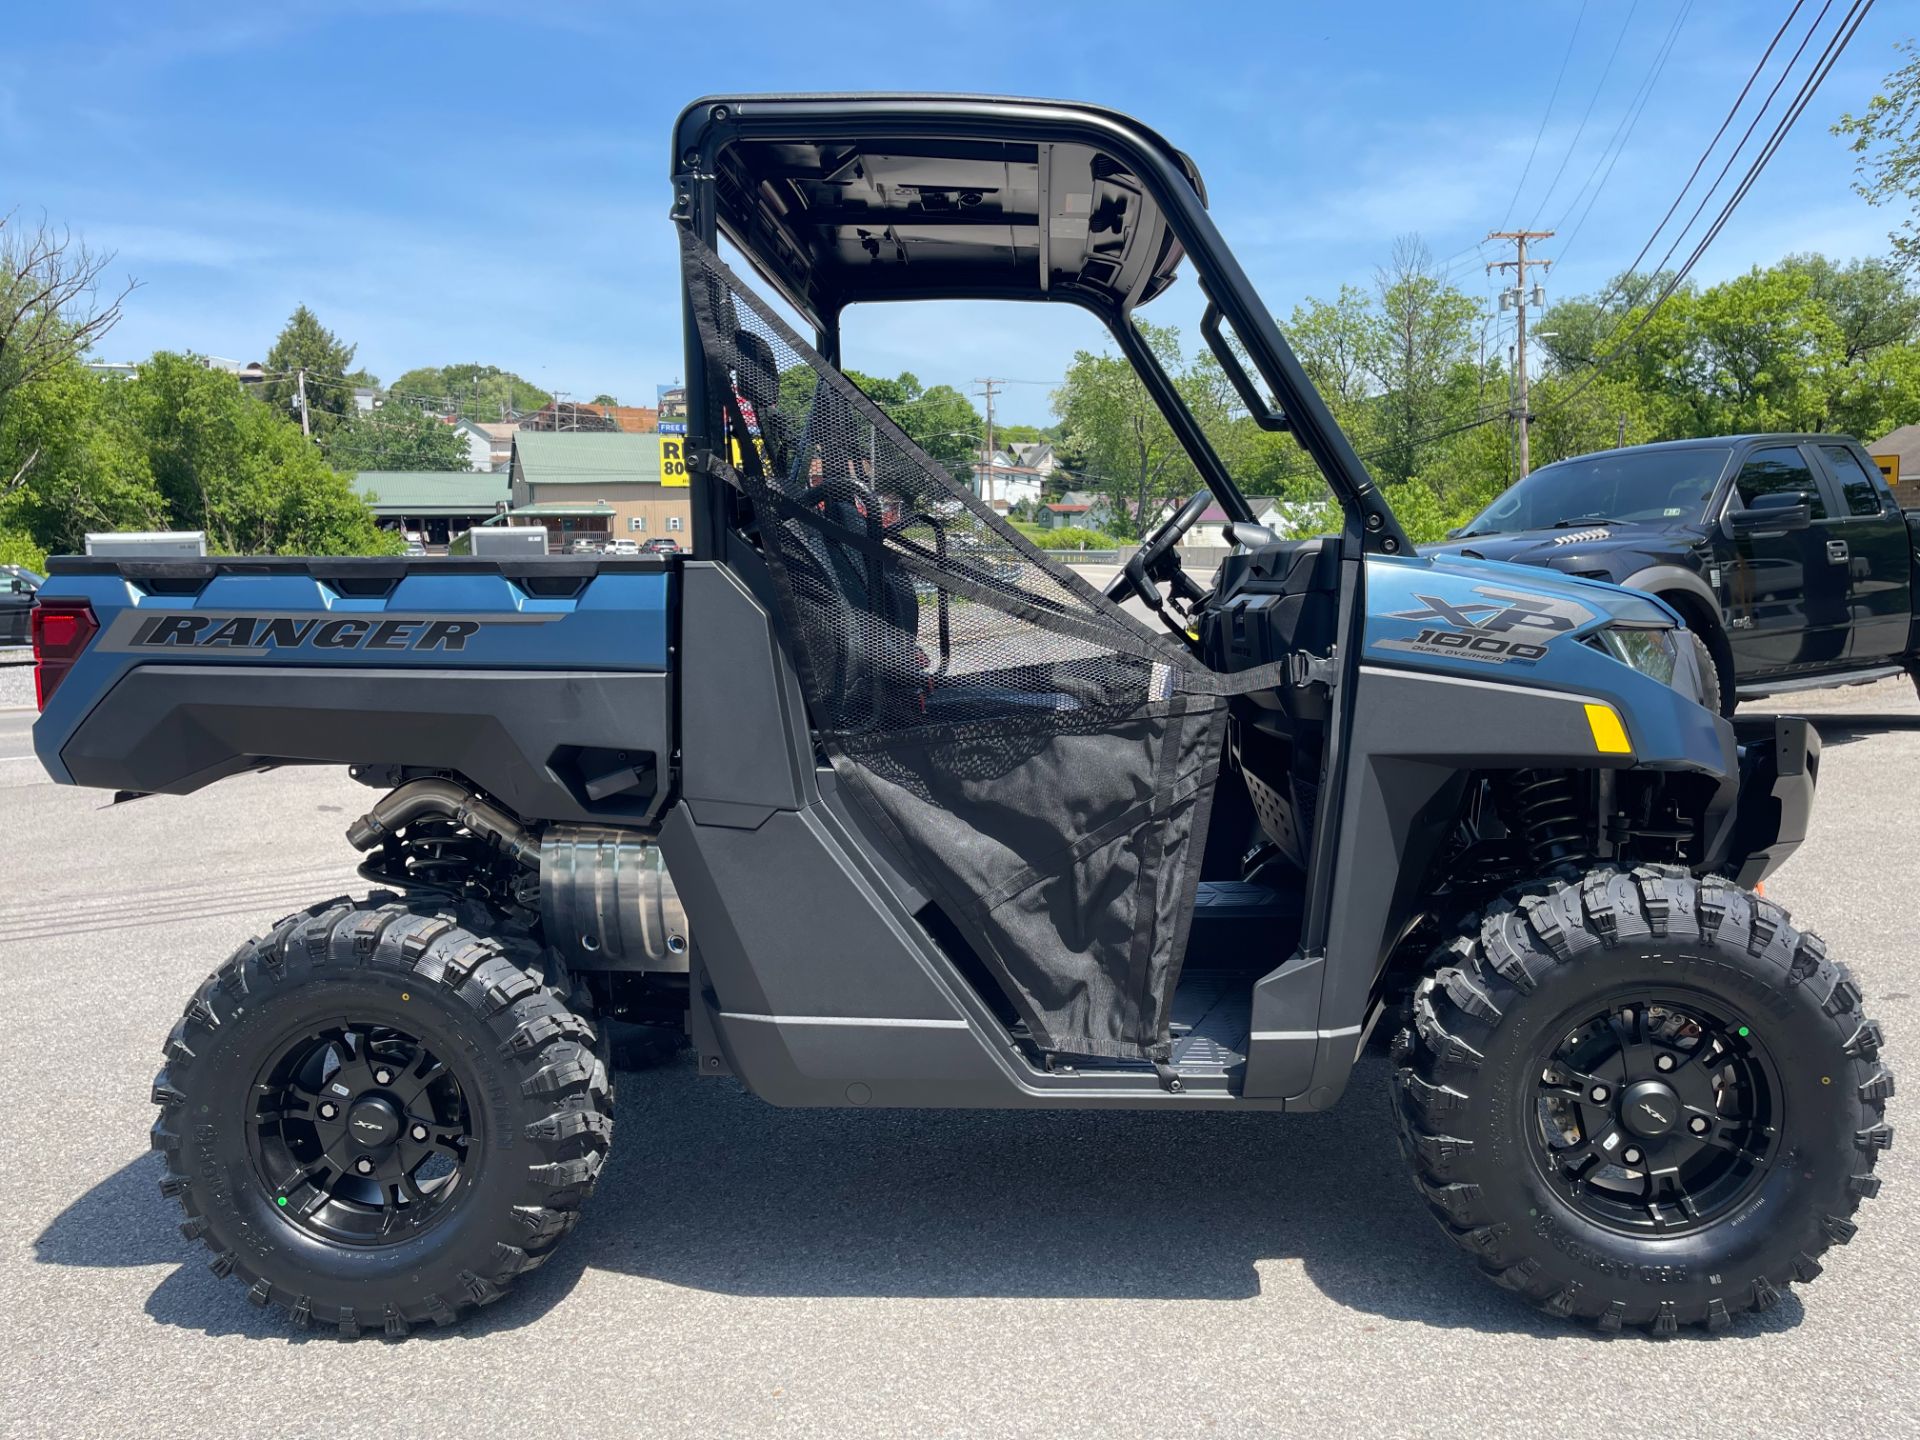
457 181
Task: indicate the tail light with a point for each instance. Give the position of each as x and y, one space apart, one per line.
61 630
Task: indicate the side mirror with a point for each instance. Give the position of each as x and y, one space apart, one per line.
1245 532
1779 511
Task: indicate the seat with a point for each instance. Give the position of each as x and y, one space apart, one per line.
875 663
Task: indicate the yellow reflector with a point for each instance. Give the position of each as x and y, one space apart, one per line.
1609 735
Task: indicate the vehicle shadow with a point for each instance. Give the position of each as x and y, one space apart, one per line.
713 1189
1845 729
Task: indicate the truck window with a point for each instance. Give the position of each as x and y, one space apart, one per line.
1863 487
1782 468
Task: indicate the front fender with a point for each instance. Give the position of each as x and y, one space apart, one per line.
1469 666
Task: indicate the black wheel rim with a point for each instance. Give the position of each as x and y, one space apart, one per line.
362 1135
1658 1114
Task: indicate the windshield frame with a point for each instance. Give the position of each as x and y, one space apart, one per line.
710 127
1476 528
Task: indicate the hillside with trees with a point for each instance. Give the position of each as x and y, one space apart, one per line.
470 392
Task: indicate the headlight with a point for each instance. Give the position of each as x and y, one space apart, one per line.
1651 652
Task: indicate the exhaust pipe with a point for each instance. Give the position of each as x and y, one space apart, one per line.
608 903
606 899
459 804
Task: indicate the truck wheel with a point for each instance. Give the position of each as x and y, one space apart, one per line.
1716 684
1638 1099
375 1119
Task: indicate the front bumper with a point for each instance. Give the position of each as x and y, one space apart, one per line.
1779 766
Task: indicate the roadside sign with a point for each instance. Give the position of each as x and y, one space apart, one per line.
1889 467
672 427
673 461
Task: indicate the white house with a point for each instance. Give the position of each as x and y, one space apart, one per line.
1284 519
1035 455
485 451
1004 484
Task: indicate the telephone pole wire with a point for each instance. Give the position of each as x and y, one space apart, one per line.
989 387
1520 299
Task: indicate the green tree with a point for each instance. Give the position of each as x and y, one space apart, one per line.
1119 433
1886 146
940 420
1336 343
52 307
1421 357
70 462
240 470
603 399
1870 300
1806 344
470 392
396 437
304 344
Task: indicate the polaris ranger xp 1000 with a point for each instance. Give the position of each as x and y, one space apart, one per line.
880 805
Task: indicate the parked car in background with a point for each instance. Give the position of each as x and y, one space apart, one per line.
661 545
584 546
414 547
17 588
622 547
1787 554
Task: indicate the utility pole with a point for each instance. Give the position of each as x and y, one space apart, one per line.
306 427
1518 295
989 388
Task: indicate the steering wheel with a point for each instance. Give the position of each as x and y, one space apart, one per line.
1150 562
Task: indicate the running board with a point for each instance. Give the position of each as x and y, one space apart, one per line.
1826 679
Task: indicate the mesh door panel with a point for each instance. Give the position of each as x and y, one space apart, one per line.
1037 755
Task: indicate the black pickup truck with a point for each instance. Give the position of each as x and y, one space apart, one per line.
1786 553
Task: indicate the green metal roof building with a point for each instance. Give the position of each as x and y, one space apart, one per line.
596 486
584 457
433 505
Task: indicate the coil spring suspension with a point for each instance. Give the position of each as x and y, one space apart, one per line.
1548 817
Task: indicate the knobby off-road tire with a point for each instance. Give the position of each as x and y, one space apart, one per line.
1503 998
529 1079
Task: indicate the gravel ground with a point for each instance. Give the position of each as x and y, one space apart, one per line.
16 679
746 1270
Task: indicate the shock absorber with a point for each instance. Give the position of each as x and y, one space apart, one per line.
1548 817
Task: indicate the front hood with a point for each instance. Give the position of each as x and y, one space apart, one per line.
1486 622
1608 546
1493 619
1465 563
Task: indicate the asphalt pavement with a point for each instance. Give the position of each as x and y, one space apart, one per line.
746 1270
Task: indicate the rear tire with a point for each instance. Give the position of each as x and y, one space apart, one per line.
1732 1002
449 1045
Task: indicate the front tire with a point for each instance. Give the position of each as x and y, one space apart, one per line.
1683 1195
376 1119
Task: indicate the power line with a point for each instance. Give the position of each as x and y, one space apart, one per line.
1747 135
1546 115
1586 114
1700 164
1622 133
1823 66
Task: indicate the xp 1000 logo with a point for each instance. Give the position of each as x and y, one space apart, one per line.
1499 629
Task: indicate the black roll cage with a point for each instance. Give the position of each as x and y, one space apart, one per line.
708 126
